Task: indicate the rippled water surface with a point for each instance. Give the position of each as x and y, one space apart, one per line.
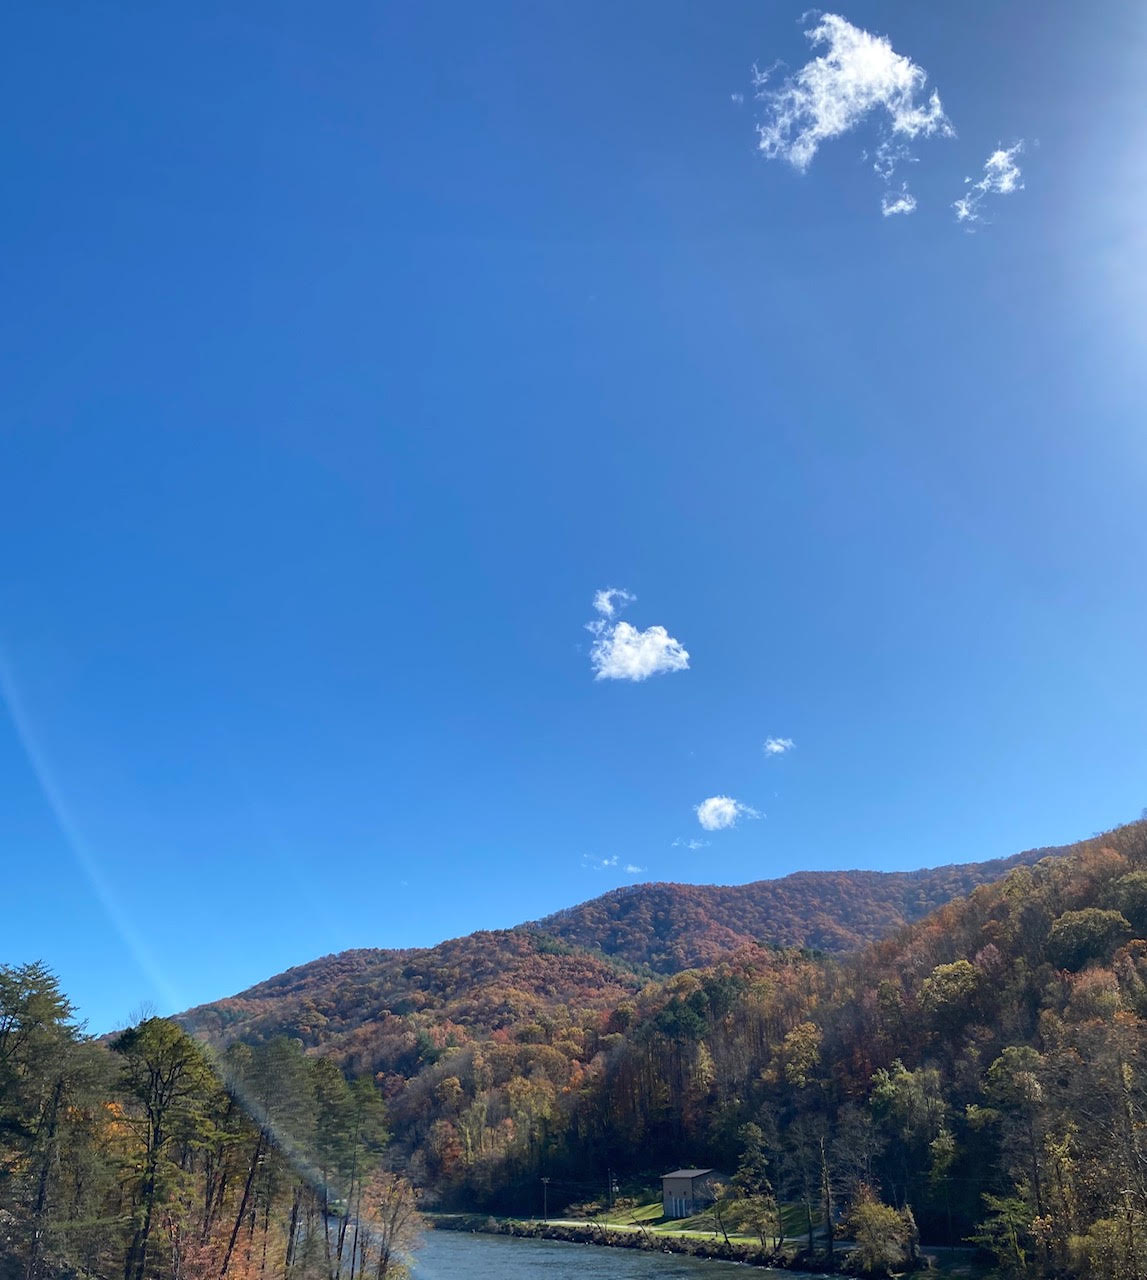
456 1255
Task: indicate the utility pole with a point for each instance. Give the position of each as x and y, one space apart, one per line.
545 1199
609 1174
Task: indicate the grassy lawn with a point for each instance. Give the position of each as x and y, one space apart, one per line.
648 1215
952 1264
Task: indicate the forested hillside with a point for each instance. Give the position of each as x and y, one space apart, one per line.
388 1012
978 1075
381 1009
670 927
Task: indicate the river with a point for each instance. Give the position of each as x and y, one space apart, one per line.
461 1255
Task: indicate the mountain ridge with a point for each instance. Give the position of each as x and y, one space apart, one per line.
384 1006
781 911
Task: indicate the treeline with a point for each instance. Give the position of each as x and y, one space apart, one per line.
152 1159
670 927
980 1077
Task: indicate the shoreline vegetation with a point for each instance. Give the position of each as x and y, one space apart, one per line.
710 1246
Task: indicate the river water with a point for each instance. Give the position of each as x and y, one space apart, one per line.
460 1255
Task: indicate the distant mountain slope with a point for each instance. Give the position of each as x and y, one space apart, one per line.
670 927
391 1011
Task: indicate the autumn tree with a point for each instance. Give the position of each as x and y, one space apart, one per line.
168 1080
391 1226
882 1234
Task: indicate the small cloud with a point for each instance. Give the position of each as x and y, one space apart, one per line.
904 202
859 76
608 600
622 652
762 78
592 863
778 746
693 845
719 812
737 98
888 155
1002 177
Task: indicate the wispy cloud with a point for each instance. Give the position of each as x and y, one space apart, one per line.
622 652
903 201
609 600
888 155
694 845
858 77
719 812
591 863
1002 177
778 746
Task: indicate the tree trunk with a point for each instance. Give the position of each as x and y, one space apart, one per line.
266 1229
137 1253
291 1230
41 1203
242 1205
826 1198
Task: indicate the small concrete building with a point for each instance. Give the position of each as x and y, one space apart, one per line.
685 1192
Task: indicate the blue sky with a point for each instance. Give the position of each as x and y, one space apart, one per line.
347 354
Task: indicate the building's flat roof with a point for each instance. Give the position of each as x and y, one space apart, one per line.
685 1173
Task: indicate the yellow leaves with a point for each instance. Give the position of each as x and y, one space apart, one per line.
799 1054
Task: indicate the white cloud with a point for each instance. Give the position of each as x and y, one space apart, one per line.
591 863
888 155
778 746
859 74
1002 177
621 652
694 845
719 812
608 600
902 202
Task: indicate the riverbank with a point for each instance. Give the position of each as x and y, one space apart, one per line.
475 1255
617 1237
935 1263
